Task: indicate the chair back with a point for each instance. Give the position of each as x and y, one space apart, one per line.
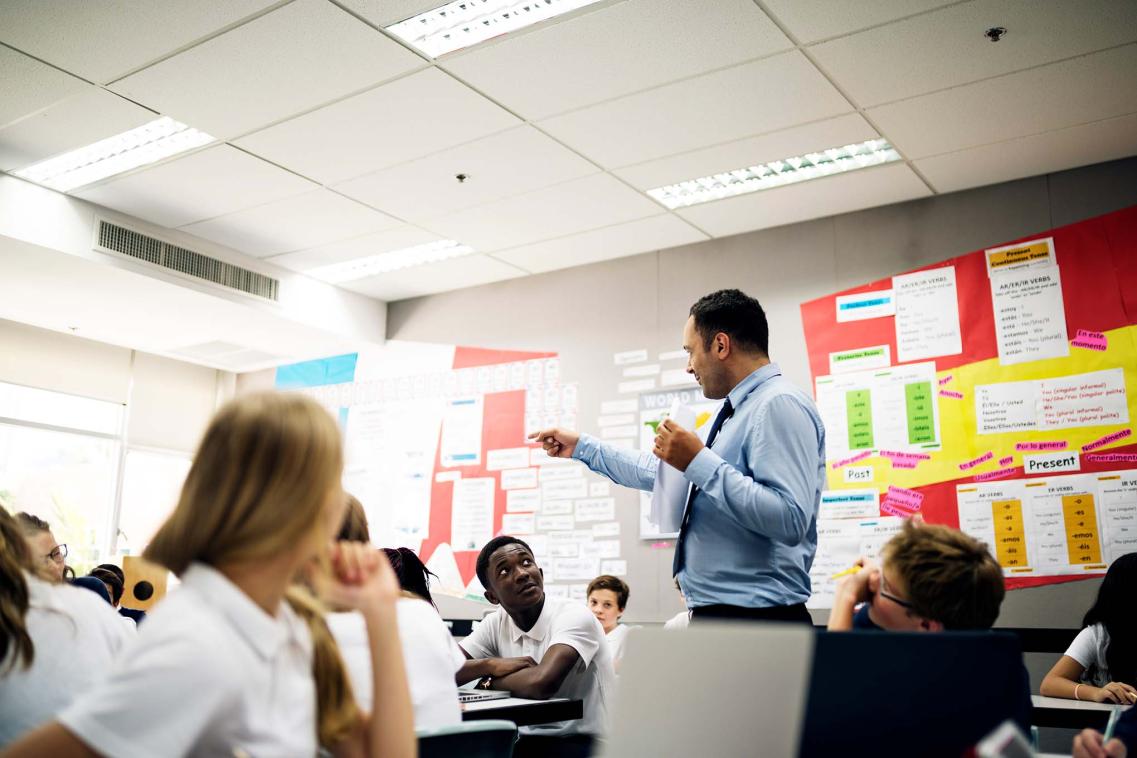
491 738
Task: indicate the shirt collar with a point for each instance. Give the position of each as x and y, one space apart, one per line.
539 630
751 383
264 633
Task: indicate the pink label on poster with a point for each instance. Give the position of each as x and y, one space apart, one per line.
1055 445
889 507
952 394
946 379
1090 340
853 459
1102 442
905 497
1007 460
899 463
976 461
1112 457
996 474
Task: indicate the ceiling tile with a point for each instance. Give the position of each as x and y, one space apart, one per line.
509 163
707 110
400 121
294 223
456 273
616 50
27 85
787 143
576 206
272 67
201 185
103 41
79 120
947 48
1056 96
842 193
387 12
352 249
1031 156
813 20
632 238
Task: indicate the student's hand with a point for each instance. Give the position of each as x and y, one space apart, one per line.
861 586
675 445
362 578
1088 744
499 667
558 443
1115 692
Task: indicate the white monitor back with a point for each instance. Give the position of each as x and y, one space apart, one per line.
719 690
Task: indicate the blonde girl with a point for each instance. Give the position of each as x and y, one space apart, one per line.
237 661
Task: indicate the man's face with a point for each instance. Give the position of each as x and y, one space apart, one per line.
516 582
48 560
701 363
605 606
890 608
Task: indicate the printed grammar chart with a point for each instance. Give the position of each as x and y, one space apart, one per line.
994 392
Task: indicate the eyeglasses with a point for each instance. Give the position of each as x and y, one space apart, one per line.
883 592
57 554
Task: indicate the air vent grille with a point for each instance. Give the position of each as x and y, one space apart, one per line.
128 242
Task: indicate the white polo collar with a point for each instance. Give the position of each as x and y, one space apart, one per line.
265 634
539 631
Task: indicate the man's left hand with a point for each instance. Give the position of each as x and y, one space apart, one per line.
675 445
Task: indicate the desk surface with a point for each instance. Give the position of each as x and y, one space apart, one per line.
1071 714
524 712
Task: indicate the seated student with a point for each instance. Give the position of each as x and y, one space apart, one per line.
142 591
680 620
931 578
237 661
48 556
56 640
607 597
1091 743
1101 664
113 582
538 648
431 654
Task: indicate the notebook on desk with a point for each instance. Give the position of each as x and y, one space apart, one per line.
478 696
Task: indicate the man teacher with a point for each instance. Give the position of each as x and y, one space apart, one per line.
749 529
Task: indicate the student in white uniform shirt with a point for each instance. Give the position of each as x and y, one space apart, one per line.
680 620
235 661
536 647
607 598
431 654
56 641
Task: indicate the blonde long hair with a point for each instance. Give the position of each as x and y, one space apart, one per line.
257 486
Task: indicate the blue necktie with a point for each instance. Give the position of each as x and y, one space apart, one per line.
725 412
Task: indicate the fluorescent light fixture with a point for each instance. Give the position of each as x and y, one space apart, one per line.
463 23
145 144
800 168
383 263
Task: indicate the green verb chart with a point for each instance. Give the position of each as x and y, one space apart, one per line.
889 409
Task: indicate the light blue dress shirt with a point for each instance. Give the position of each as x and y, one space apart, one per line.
752 533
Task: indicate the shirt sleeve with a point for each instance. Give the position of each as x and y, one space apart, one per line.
158 701
628 468
1084 647
482 642
778 498
576 627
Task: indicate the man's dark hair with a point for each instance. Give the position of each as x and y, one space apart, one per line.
483 565
612 583
143 590
116 570
736 314
109 578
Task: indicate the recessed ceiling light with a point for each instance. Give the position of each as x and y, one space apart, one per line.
394 260
834 160
463 23
145 144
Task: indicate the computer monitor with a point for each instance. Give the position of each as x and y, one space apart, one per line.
711 690
908 694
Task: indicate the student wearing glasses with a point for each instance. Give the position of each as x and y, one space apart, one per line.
931 578
48 556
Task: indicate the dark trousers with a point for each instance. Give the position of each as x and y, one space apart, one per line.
569 746
794 613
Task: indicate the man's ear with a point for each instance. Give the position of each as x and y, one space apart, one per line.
928 625
491 597
721 346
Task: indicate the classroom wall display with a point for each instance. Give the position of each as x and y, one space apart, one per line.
436 449
995 392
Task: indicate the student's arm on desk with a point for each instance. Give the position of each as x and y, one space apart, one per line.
778 500
1062 680
625 467
478 668
542 681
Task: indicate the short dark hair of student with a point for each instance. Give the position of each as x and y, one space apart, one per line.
1115 610
483 565
114 570
414 576
31 525
112 581
354 526
949 576
613 583
736 314
143 590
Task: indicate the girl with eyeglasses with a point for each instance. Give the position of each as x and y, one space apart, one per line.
49 558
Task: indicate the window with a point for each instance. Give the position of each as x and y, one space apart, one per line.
152 481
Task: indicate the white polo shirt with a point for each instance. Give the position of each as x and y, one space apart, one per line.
77 636
429 652
210 674
562 622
